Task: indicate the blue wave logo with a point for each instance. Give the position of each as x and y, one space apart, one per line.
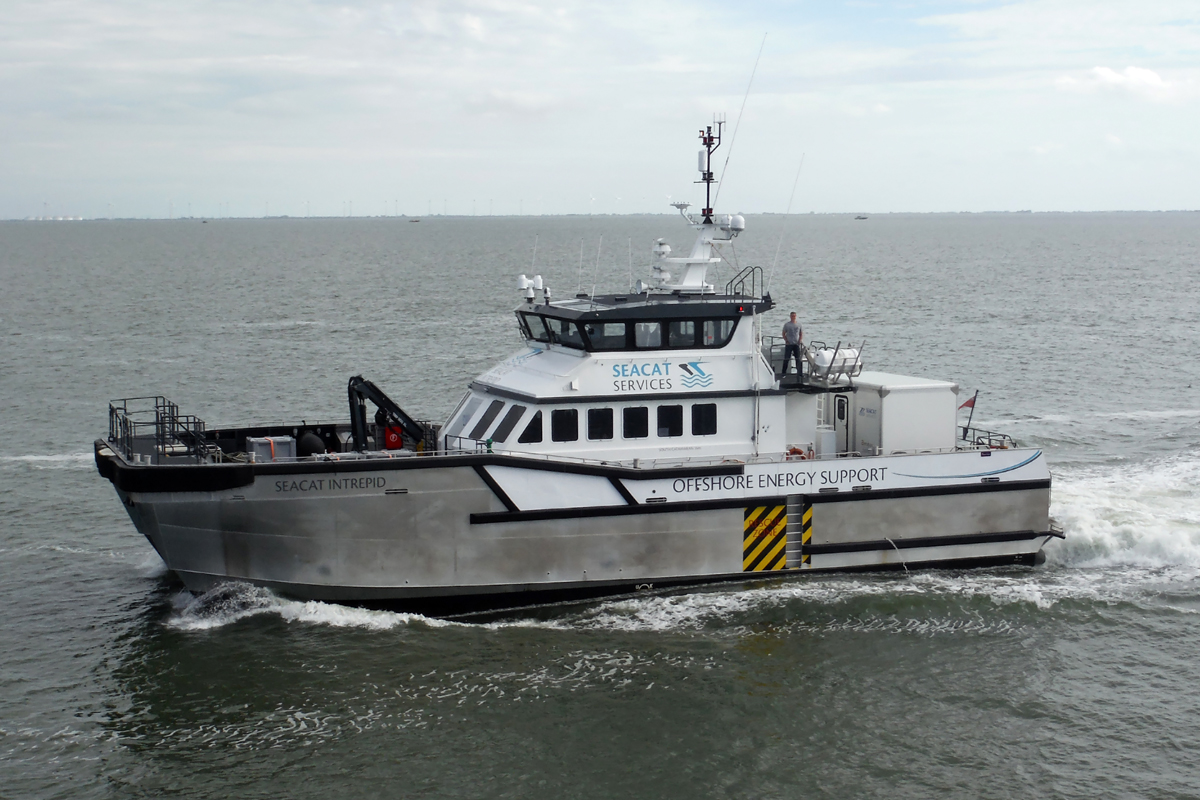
694 376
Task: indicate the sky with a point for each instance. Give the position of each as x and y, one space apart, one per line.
306 107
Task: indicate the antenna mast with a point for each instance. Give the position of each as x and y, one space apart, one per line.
711 142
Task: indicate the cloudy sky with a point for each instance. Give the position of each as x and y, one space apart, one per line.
311 107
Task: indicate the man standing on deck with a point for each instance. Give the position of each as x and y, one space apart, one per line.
793 336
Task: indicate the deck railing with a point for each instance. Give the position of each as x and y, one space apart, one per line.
151 427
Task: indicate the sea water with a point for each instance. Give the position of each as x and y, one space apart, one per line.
1080 678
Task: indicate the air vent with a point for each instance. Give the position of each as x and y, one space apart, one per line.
989 480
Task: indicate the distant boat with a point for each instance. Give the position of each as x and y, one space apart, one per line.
415 220
860 216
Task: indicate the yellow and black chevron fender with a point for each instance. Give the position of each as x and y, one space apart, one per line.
764 539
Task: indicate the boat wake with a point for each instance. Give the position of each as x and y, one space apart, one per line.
230 603
1140 515
1133 536
59 461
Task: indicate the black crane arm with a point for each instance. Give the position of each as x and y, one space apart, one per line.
388 414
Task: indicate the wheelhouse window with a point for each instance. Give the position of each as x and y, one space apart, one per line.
535 327
533 431
704 419
600 423
564 425
716 332
564 333
607 335
507 424
670 421
681 333
647 334
635 422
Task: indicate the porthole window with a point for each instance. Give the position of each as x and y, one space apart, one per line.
704 419
635 422
670 421
564 425
533 431
600 423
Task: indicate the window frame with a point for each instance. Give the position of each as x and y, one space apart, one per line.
625 415
535 420
697 407
557 414
599 413
658 419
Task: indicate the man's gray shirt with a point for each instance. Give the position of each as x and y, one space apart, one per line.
791 332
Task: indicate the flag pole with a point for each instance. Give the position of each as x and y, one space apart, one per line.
970 416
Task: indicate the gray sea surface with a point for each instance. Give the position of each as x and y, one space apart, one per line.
1078 679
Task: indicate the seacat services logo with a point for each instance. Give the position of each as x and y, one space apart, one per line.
694 376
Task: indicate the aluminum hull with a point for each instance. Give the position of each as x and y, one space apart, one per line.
458 532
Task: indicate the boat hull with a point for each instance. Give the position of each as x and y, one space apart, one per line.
456 533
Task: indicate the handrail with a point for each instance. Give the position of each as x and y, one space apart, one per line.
737 284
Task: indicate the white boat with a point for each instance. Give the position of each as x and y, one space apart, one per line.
636 441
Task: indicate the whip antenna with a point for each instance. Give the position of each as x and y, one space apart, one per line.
795 183
738 121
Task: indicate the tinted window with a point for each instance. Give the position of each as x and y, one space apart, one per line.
537 330
508 423
564 333
681 333
670 421
600 423
716 332
635 423
607 335
486 420
564 425
647 334
533 431
704 419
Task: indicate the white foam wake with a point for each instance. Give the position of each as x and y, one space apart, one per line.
1136 514
57 461
233 602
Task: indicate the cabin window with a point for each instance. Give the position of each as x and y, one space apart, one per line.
564 333
647 334
457 428
607 335
600 423
564 425
681 333
485 421
670 421
508 423
704 419
635 422
716 332
536 327
533 431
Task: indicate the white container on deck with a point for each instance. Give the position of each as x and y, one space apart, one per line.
892 414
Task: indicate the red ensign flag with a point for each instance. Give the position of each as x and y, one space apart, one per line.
969 404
